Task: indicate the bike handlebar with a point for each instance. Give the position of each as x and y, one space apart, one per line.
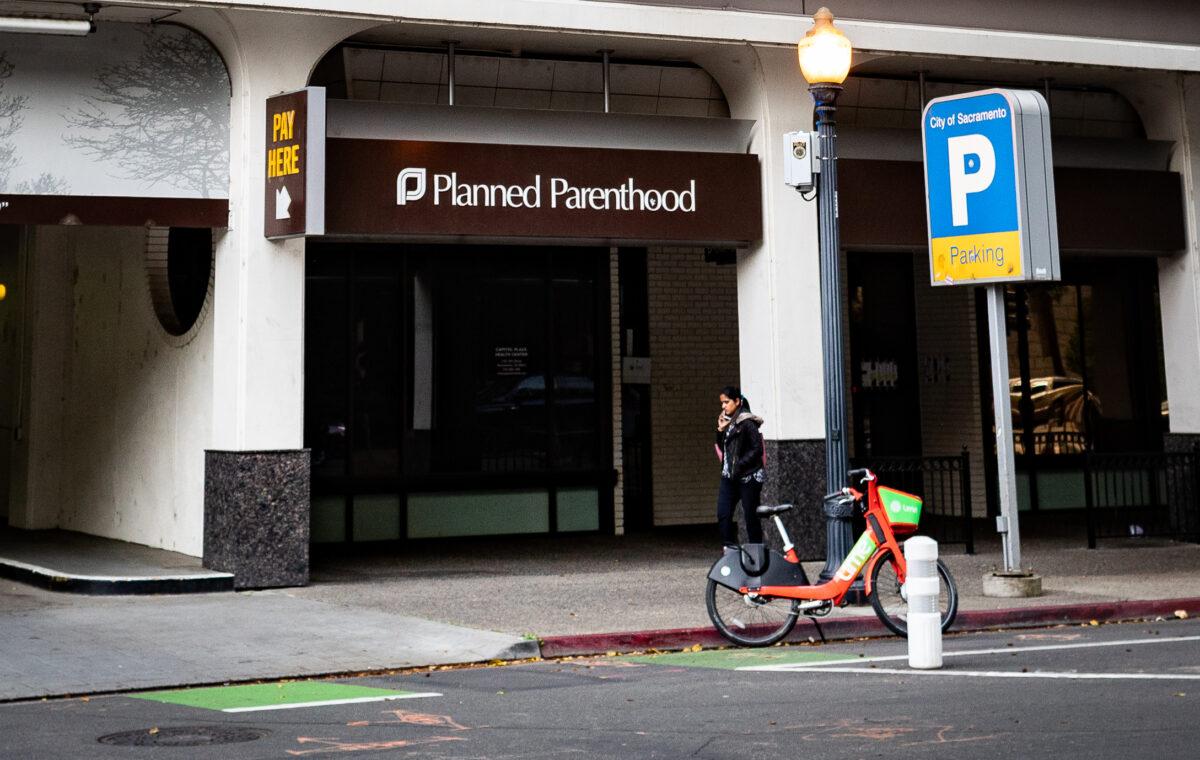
859 476
845 493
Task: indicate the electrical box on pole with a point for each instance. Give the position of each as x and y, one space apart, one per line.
800 162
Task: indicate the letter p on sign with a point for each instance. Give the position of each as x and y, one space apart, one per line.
974 153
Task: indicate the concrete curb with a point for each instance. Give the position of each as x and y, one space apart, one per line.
863 626
103 585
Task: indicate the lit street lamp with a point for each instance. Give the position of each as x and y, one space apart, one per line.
825 62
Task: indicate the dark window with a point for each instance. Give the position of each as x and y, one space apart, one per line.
1089 349
487 385
375 341
179 275
452 369
884 390
327 362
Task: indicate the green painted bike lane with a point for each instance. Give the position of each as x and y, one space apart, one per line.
301 694
277 696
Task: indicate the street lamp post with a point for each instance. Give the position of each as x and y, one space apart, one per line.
825 62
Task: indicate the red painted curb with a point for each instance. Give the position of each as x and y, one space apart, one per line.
864 626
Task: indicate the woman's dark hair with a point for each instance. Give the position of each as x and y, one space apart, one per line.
735 393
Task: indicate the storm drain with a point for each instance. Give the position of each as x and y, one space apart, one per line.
184 736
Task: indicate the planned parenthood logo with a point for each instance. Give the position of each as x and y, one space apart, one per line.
410 186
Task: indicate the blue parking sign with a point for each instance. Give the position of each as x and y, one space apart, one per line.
989 188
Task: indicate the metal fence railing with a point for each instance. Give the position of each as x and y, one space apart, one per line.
1142 494
944 485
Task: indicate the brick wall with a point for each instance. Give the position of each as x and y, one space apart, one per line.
947 361
694 352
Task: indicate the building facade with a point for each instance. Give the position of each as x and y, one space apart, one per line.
548 234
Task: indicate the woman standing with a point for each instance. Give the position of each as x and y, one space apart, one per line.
740 449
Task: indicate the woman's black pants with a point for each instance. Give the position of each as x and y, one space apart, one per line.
731 492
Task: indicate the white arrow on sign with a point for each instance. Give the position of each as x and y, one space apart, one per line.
283 202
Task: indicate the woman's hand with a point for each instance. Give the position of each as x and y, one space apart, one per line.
722 422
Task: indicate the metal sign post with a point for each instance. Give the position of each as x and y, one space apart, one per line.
1006 523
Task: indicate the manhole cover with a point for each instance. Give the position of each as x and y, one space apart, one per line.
184 736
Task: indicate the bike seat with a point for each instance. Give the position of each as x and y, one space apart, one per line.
767 511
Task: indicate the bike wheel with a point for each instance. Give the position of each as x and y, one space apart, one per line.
890 603
749 621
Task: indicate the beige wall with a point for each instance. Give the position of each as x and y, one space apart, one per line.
119 411
37 468
693 353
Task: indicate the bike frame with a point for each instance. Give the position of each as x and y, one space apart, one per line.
867 552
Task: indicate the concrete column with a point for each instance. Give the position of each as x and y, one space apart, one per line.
258 389
779 297
1169 105
258 312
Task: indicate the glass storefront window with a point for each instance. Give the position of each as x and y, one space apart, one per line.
375 369
438 369
1083 346
326 381
1056 412
576 431
489 369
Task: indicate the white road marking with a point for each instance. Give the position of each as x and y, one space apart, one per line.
1005 674
964 653
327 702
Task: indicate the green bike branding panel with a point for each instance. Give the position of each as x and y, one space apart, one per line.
858 556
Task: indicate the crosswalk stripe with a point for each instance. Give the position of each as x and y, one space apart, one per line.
997 650
1003 674
327 702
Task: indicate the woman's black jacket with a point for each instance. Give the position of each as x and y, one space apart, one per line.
743 445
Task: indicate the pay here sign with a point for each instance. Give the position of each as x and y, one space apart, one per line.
989 188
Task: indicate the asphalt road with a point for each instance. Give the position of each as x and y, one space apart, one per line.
1112 691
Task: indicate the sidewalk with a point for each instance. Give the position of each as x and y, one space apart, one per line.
605 593
479 600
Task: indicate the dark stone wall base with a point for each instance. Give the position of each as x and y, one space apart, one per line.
256 516
796 475
1180 443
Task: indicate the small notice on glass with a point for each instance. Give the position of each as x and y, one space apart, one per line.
512 361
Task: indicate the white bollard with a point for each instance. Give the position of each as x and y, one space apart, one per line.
924 619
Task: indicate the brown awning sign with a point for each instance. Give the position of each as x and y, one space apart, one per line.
410 189
464 190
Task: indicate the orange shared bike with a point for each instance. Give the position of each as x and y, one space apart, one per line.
756 594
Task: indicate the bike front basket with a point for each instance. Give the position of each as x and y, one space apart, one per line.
903 509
